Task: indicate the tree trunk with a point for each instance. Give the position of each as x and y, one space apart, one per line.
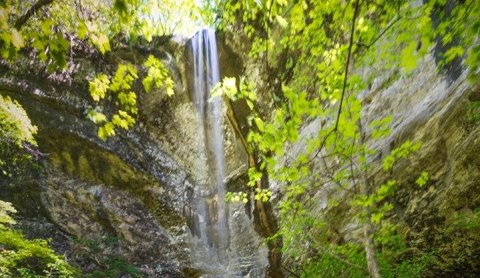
372 263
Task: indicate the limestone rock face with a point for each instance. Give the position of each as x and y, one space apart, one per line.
136 187
433 109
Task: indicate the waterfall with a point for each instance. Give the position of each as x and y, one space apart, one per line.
212 229
225 243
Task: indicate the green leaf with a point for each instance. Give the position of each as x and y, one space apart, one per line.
102 42
229 83
259 123
170 92
157 76
408 57
281 21
422 179
377 217
46 26
97 117
453 52
17 39
82 29
98 87
380 128
106 131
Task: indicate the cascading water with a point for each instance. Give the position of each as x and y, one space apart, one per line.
212 226
225 243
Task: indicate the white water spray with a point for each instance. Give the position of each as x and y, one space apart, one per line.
211 208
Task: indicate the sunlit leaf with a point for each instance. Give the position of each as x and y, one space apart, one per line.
282 21
17 39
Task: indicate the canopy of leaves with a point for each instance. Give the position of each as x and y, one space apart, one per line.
48 25
313 56
53 31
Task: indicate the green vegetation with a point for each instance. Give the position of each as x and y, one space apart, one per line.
20 257
24 258
15 131
328 265
109 265
314 57
121 85
115 267
53 30
466 221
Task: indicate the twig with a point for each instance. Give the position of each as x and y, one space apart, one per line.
289 271
321 146
383 32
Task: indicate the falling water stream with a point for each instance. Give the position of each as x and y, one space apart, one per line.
225 242
212 227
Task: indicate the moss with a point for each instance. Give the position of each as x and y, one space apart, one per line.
163 213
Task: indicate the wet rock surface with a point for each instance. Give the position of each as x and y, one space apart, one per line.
131 195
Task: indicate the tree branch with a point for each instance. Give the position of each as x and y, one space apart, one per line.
30 12
290 272
340 259
383 32
352 32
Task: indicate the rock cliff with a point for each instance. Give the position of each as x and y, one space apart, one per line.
130 196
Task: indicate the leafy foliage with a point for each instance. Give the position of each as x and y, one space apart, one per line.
329 265
157 76
466 221
53 30
16 131
20 257
44 24
423 179
116 266
16 126
121 85
313 58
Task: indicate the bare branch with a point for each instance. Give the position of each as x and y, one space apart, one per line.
30 12
383 32
289 271
352 32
